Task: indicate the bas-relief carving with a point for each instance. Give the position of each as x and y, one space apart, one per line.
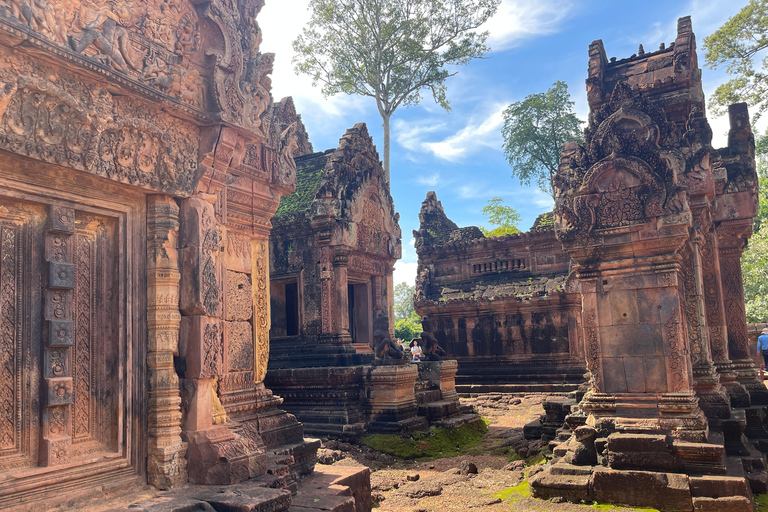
261 317
64 121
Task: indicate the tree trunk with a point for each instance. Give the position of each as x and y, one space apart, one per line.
385 124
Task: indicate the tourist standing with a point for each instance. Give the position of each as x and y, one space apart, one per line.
416 350
762 348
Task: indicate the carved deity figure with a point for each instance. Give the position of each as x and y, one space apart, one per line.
104 27
260 87
385 347
289 143
429 344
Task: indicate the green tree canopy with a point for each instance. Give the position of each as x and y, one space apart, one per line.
534 132
754 267
735 45
504 218
403 300
408 328
391 50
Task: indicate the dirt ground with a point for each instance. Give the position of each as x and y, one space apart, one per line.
450 484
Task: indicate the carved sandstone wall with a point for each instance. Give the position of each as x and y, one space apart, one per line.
140 153
503 307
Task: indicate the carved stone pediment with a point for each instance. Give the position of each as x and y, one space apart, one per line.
200 56
65 123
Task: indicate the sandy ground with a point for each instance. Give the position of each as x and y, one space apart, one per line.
443 487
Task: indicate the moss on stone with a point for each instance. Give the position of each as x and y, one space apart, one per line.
520 491
545 220
309 173
432 444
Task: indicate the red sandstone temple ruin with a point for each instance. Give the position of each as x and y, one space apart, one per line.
332 250
142 160
503 307
656 220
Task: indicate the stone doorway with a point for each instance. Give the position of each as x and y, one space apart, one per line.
360 314
71 387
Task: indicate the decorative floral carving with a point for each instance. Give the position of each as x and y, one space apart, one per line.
261 319
8 341
212 347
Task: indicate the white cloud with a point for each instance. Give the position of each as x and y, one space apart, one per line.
405 272
282 22
481 132
517 20
429 181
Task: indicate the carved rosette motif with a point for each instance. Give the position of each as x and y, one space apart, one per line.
261 317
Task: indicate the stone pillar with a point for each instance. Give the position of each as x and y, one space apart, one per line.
715 317
390 291
59 278
166 462
732 237
340 283
713 399
217 454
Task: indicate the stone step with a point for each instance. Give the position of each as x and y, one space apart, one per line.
729 504
428 396
214 498
545 387
457 420
321 501
438 410
710 486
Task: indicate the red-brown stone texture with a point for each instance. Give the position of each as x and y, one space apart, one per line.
137 182
655 220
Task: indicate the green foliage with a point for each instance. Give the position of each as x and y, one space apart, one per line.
408 328
391 50
735 44
432 444
761 500
504 218
754 268
403 296
534 132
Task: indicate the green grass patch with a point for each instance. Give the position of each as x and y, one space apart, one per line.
432 444
520 491
761 500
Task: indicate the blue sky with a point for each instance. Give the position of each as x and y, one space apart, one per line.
458 153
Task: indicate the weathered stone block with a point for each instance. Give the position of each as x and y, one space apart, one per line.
726 504
239 296
239 340
200 344
665 491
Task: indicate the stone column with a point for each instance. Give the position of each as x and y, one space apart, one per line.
217 454
713 399
390 291
56 442
715 317
166 462
340 283
732 236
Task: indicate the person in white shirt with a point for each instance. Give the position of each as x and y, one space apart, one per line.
415 350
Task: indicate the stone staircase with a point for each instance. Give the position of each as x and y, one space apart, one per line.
329 489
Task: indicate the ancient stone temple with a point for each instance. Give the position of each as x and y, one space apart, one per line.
332 250
503 307
655 220
140 168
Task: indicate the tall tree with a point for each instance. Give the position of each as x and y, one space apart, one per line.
754 267
391 50
403 300
504 218
534 132
735 45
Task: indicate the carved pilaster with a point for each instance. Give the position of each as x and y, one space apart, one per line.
715 318
732 237
166 463
713 399
261 317
59 277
